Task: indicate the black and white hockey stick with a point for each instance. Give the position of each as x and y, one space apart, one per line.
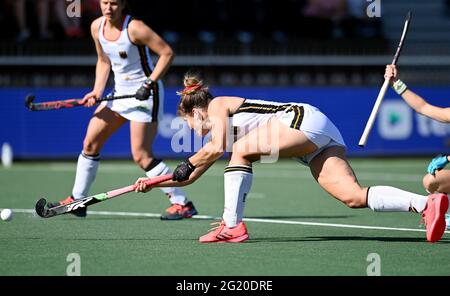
45 212
69 103
376 107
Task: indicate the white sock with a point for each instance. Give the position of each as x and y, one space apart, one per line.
176 195
237 184
87 167
389 199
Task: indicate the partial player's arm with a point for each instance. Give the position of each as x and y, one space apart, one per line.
192 172
191 169
414 100
102 68
141 34
141 187
214 149
421 106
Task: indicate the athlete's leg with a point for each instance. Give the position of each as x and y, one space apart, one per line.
334 174
43 11
102 125
274 139
440 182
331 170
20 15
142 135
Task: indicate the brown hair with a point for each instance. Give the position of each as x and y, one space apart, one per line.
125 7
194 94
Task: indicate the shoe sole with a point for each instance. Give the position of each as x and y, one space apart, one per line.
238 239
165 218
174 218
189 215
438 226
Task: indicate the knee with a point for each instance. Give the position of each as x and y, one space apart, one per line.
237 156
90 147
241 159
355 201
141 158
430 183
244 155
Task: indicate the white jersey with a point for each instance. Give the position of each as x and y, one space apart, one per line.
131 65
306 118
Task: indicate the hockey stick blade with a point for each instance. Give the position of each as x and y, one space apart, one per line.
29 101
42 210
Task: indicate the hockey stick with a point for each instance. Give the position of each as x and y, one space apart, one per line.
54 105
369 124
43 211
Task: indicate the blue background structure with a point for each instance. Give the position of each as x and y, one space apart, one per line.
398 130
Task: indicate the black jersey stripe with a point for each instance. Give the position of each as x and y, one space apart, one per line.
235 133
144 60
155 108
147 70
261 108
298 117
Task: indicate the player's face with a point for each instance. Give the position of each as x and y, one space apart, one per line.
111 9
196 121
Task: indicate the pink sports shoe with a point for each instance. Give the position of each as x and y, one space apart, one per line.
223 234
434 216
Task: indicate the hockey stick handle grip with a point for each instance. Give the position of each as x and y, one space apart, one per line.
159 179
69 103
373 115
130 188
112 98
120 191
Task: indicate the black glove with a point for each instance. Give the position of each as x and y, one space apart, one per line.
183 171
144 92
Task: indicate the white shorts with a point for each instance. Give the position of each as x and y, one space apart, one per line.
150 110
318 128
320 141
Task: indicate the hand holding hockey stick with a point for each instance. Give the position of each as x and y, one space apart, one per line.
373 114
43 211
54 105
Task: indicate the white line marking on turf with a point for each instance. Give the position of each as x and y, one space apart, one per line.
286 174
256 195
205 217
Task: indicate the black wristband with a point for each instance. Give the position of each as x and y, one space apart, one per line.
149 82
